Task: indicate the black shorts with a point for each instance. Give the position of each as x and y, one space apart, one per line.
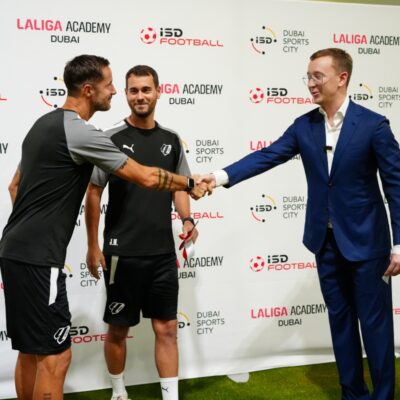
146 283
37 311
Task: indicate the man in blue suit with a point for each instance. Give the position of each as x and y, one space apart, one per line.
343 146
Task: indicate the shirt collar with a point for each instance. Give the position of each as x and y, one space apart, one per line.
340 114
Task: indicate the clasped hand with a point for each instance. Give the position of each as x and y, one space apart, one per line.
201 188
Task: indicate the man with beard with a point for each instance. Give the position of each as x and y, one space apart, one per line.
58 154
139 258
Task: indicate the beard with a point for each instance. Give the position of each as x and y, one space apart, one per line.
104 105
143 113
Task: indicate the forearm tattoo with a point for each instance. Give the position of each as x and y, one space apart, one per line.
123 165
171 181
165 179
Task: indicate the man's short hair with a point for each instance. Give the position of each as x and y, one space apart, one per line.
83 69
142 70
342 60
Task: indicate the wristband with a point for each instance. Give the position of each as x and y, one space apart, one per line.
190 219
190 184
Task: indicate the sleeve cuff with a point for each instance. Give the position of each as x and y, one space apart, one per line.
222 178
396 249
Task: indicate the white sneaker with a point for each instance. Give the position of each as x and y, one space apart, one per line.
120 397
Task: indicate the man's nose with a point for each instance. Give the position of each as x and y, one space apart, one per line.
311 83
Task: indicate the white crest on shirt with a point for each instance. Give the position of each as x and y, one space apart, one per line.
166 149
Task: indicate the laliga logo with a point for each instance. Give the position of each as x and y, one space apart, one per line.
257 264
2 98
183 320
49 94
256 95
363 96
259 209
267 38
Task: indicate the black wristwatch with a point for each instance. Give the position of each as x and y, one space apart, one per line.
190 219
190 184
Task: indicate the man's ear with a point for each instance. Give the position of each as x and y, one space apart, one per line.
344 78
87 90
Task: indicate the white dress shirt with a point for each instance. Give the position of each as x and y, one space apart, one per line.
332 132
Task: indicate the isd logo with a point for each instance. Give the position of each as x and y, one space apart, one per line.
276 95
174 37
68 270
260 210
259 43
52 95
279 262
183 320
364 94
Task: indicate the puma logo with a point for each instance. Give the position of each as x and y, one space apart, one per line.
124 146
163 388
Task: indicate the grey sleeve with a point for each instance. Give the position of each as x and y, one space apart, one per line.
99 177
183 167
86 143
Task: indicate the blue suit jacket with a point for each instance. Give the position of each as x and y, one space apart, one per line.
349 196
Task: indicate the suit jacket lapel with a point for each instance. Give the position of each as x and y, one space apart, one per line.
318 130
348 128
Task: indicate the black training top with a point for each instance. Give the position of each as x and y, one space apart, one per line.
138 221
58 154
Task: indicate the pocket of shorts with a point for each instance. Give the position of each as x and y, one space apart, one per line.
53 290
113 269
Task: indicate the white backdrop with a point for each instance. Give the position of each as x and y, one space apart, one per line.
231 78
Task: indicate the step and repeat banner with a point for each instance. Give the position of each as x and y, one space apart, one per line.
231 82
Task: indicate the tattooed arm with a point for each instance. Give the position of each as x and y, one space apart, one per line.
157 178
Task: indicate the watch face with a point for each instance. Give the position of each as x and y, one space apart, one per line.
190 183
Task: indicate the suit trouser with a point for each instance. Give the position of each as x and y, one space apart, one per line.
356 297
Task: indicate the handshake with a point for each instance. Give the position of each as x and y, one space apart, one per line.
203 184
